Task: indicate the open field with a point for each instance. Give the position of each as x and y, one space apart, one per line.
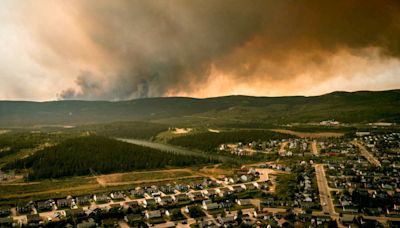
129 178
216 171
309 134
13 193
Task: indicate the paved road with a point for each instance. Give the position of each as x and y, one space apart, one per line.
282 149
324 193
364 152
314 148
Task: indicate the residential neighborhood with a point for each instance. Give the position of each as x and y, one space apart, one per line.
338 185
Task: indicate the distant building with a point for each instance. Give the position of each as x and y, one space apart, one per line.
362 133
329 123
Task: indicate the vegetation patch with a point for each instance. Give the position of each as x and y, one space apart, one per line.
96 154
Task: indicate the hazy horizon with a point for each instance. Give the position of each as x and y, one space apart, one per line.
192 97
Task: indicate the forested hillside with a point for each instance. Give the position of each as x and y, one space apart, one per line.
80 156
355 107
14 141
134 130
209 141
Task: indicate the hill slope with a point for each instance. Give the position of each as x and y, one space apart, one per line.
343 106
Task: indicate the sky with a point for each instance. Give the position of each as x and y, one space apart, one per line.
127 49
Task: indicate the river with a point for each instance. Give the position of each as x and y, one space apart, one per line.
173 149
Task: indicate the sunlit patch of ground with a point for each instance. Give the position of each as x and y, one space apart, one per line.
214 130
59 188
216 171
182 130
309 134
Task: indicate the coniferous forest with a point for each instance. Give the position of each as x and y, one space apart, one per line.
85 155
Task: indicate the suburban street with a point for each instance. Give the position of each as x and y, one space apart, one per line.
364 152
314 148
325 195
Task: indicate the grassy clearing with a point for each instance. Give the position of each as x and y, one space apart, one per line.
47 189
139 176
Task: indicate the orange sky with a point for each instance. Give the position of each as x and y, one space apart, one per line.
125 49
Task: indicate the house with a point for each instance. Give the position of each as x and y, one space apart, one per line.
115 207
225 191
76 213
5 211
101 198
210 192
238 188
268 202
350 209
87 224
227 221
132 203
249 186
134 207
24 208
153 214
197 186
33 219
110 222
156 194
151 190
209 205
262 215
83 200
165 200
45 205
346 219
6 222
167 189
118 196
196 196
323 219
207 223
138 193
182 197
244 202
64 203
149 202
133 219
263 185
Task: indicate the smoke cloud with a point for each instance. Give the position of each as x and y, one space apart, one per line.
128 49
